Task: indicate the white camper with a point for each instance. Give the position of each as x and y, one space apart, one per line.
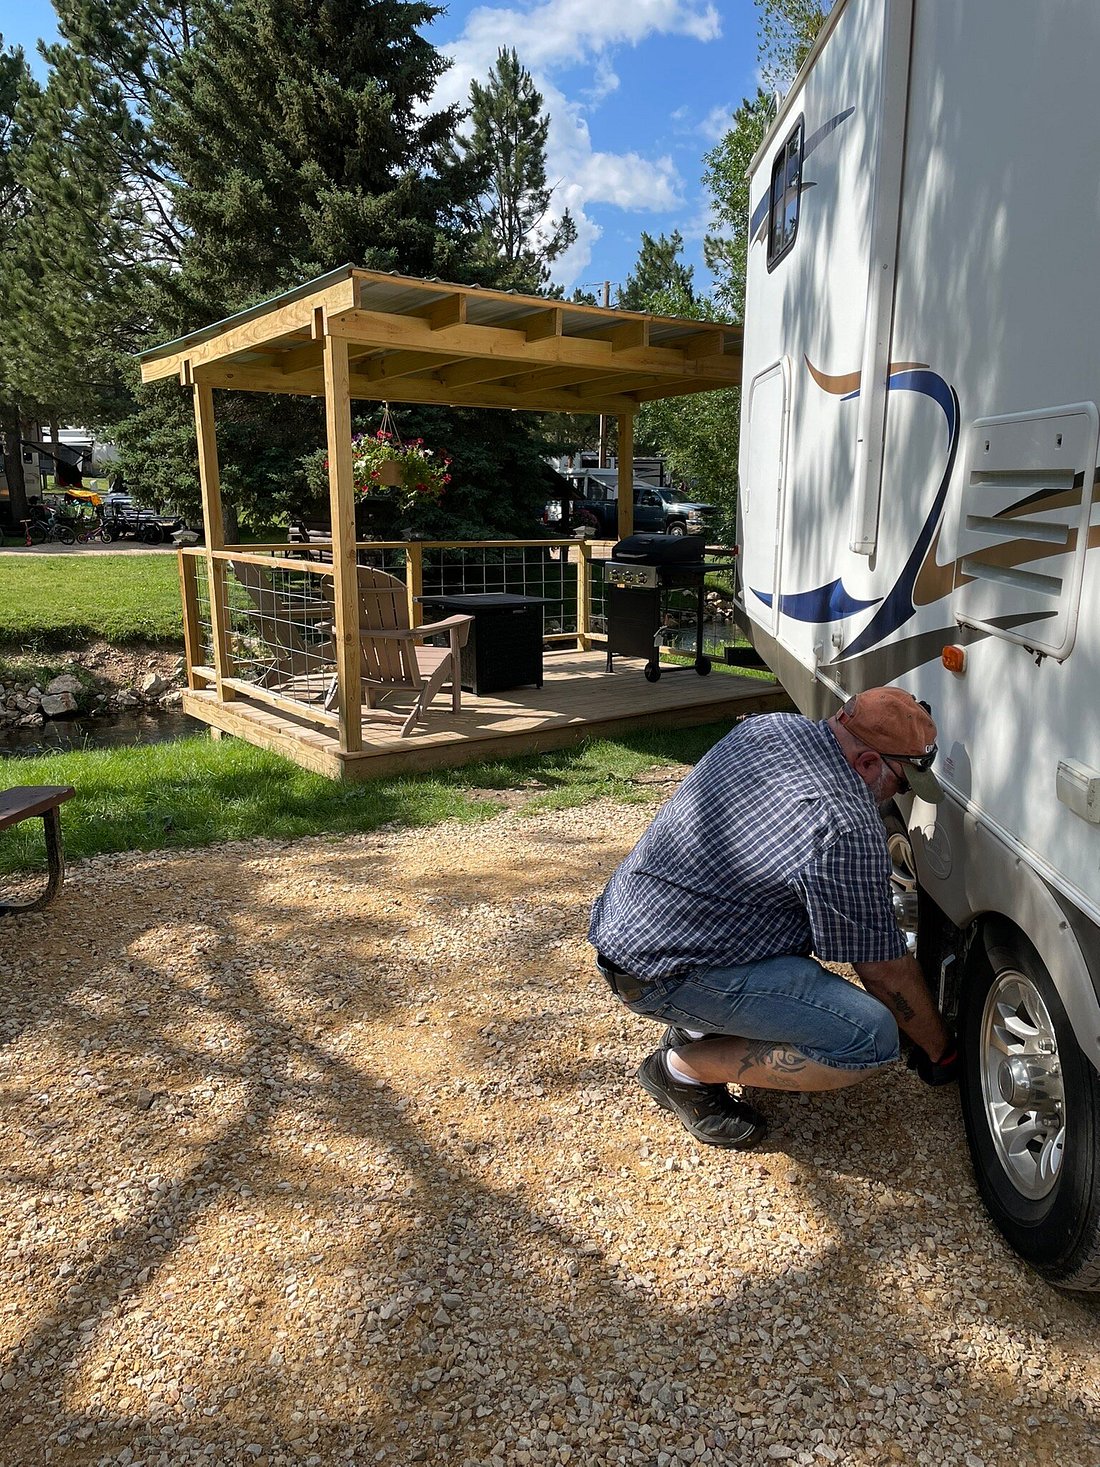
919 506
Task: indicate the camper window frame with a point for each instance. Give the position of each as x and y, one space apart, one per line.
779 164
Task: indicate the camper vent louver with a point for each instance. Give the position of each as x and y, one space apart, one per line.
1023 526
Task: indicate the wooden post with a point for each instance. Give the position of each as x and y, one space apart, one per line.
192 633
341 487
625 451
584 595
214 527
414 579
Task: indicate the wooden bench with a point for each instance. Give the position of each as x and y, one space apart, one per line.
22 803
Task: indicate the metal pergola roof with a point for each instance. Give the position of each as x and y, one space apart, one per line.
426 341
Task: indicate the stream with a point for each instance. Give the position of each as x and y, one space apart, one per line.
60 735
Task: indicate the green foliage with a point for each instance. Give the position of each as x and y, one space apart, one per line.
505 155
62 600
787 32
659 274
727 163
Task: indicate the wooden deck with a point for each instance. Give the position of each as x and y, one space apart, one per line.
579 699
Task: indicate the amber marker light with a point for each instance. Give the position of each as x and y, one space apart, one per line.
954 659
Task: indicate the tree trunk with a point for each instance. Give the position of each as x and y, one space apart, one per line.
232 526
13 462
55 441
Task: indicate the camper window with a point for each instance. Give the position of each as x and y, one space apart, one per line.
785 192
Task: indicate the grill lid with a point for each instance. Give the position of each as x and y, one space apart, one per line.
661 549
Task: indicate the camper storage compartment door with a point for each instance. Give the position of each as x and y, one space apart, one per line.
1024 525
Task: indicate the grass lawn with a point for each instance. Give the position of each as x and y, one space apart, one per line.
198 791
50 601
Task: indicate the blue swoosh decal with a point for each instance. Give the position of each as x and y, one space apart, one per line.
827 603
832 602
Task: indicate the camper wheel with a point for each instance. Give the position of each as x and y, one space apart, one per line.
1031 1104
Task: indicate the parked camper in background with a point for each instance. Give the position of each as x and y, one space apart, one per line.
918 505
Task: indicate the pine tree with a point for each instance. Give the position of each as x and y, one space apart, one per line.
13 77
505 154
659 273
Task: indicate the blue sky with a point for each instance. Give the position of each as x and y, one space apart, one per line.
637 91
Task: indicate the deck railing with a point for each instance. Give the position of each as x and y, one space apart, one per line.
258 619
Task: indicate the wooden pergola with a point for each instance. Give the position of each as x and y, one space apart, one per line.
355 335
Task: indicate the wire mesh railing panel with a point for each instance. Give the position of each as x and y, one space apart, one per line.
279 630
545 571
205 649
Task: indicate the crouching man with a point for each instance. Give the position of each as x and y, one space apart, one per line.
773 849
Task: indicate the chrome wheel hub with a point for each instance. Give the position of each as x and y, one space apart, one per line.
1022 1084
903 885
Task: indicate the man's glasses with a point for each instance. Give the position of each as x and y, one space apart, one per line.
918 761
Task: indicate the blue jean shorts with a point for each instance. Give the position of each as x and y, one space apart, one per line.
793 1002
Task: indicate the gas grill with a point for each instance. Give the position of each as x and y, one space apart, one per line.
637 597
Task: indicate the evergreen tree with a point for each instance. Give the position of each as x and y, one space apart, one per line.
13 76
505 155
658 272
299 139
697 434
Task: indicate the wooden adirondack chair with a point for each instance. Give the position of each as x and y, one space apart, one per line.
392 655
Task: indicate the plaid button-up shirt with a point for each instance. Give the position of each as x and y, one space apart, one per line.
773 845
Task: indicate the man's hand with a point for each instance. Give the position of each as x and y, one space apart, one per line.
942 1071
899 984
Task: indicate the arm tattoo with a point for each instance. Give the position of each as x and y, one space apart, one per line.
901 1006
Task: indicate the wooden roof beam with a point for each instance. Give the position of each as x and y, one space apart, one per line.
476 394
404 364
450 311
702 344
541 325
623 335
554 377
461 374
507 344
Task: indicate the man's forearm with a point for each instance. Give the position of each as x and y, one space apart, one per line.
900 985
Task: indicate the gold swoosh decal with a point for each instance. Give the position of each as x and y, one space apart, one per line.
845 382
935 580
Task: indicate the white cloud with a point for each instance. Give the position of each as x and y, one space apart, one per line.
717 122
555 35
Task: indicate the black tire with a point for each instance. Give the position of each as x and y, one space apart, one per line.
1045 1195
36 532
64 534
150 535
652 672
678 528
702 666
106 536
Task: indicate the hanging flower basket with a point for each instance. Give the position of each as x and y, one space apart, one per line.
405 473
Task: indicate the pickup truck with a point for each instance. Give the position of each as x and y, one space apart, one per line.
657 508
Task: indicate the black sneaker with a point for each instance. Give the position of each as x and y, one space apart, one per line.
708 1112
675 1038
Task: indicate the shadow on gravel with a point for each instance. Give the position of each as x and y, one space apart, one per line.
293 1161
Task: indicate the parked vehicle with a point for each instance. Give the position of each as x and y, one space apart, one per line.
657 509
918 466
123 518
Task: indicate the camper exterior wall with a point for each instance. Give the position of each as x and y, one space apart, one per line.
995 317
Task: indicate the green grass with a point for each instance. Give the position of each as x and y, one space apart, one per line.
49 601
197 791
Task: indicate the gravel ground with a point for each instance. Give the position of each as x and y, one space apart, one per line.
329 1152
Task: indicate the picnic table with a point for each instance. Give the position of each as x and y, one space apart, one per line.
23 803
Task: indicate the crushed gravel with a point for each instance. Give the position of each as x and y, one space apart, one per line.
329 1152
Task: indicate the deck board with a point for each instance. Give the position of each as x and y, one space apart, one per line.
579 699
